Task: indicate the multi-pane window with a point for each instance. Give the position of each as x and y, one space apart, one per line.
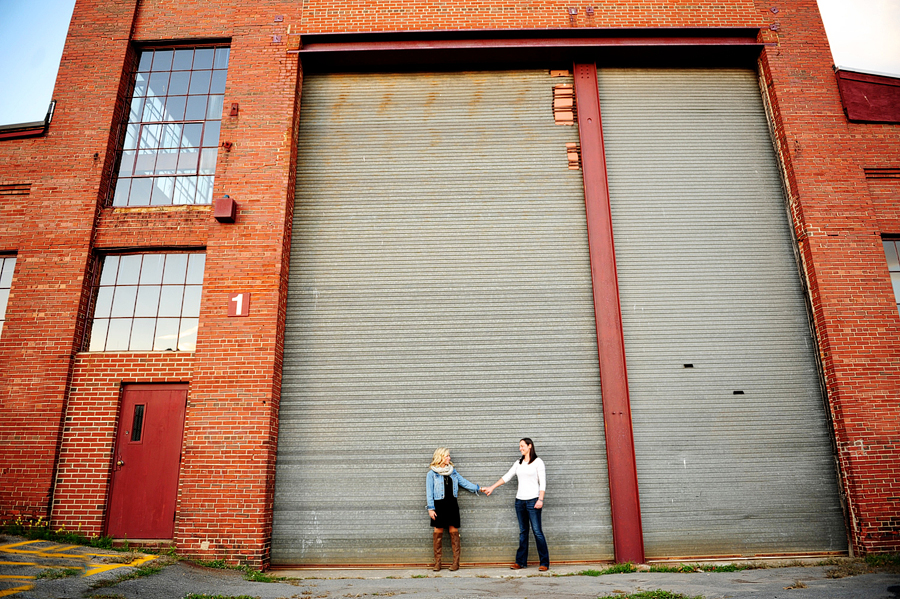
172 133
892 253
7 264
148 302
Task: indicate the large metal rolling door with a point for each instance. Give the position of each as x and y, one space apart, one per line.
439 295
731 436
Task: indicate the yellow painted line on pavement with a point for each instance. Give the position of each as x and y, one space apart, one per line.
15 590
18 564
14 548
6 576
107 567
11 545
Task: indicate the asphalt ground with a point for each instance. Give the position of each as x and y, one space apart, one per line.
45 570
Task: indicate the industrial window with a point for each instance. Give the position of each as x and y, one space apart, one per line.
168 153
892 253
148 302
7 264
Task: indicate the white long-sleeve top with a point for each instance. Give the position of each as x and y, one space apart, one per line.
532 479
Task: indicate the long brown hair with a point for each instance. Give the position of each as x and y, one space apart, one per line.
532 455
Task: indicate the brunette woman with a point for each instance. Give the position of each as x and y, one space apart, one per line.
529 470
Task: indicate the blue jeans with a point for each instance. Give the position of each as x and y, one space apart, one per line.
527 514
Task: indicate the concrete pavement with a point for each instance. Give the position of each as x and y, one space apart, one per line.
114 575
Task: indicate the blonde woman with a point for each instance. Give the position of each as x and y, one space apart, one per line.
441 491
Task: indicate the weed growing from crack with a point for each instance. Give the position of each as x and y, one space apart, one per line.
658 594
139 572
54 573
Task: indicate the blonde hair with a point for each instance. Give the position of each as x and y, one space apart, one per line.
439 454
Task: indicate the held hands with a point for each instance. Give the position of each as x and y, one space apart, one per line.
488 490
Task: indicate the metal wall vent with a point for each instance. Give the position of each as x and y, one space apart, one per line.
15 189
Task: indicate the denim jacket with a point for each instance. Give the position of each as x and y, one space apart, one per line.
434 486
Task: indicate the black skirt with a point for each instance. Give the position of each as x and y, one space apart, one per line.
447 509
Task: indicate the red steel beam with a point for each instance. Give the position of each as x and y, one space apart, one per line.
628 539
311 47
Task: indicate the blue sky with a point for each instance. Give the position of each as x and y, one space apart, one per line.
863 34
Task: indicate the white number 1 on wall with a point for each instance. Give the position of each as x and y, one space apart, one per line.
239 304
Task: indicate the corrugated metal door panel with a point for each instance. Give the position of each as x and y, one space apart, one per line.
439 295
708 277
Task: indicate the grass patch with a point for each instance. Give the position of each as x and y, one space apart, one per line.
139 572
691 568
625 568
249 573
40 530
54 573
257 576
218 564
882 560
658 594
844 567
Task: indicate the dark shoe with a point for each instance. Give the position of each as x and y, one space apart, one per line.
516 567
543 569
454 545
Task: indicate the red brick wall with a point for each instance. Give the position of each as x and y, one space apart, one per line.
85 456
228 472
51 232
321 16
227 477
839 226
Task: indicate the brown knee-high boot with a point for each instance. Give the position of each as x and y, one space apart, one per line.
454 544
438 539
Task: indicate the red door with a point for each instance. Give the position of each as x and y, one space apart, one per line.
146 462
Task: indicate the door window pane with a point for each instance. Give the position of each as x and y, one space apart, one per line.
137 423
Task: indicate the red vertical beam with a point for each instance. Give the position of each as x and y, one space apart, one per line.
628 539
